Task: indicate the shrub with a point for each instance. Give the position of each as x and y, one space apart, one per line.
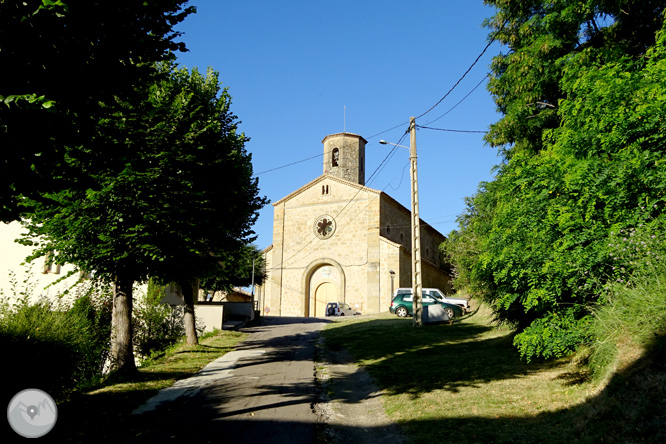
51 347
633 312
156 325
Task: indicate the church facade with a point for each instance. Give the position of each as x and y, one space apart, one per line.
336 240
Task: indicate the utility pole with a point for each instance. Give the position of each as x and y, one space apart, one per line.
416 229
253 284
417 305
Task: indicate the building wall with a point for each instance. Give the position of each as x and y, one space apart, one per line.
395 226
351 252
391 261
12 258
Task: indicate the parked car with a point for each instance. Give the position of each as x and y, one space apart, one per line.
401 305
437 294
339 309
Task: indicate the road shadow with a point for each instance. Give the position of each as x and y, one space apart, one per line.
630 409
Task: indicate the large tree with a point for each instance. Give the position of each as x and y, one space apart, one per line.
583 138
175 202
60 61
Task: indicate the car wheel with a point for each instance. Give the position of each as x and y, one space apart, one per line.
342 314
401 312
449 312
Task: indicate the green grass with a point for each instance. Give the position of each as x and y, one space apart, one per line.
465 383
104 414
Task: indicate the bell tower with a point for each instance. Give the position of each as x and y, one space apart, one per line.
344 156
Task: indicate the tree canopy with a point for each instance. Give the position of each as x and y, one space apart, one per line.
176 201
61 60
583 136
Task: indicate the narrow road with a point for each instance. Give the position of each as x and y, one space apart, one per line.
261 393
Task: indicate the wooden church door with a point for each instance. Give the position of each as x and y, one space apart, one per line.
325 293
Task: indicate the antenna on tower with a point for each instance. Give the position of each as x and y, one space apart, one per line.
344 120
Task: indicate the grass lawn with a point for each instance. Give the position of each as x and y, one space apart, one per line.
104 414
465 383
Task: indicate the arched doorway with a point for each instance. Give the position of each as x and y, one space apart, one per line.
323 282
325 293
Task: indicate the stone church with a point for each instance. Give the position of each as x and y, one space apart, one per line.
334 239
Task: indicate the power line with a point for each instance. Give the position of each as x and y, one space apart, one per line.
461 100
281 265
492 40
290 164
460 79
451 130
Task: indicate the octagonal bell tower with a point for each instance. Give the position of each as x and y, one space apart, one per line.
344 156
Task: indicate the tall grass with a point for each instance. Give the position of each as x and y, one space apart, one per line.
632 315
62 346
52 347
630 321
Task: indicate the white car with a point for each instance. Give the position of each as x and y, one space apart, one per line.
339 309
437 294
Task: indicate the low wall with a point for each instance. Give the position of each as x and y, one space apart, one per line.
213 314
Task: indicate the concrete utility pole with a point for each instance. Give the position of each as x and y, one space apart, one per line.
417 305
416 229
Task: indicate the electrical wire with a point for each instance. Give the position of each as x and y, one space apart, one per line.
282 264
461 100
451 130
492 40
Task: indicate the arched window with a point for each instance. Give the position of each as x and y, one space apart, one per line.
336 157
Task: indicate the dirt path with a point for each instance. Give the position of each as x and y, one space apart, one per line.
350 403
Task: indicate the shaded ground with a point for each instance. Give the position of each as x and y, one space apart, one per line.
350 403
270 390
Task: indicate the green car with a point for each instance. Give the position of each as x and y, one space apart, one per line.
402 306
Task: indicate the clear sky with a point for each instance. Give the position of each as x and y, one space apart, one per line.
299 70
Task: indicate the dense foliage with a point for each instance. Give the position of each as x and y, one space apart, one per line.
583 136
176 200
64 348
61 61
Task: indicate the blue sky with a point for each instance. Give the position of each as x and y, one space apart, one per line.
300 70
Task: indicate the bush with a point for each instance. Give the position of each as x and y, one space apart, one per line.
553 336
633 312
94 312
156 325
52 347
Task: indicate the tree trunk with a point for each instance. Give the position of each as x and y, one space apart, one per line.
122 352
189 288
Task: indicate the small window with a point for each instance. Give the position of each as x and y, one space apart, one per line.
427 252
324 190
388 229
402 237
49 265
335 161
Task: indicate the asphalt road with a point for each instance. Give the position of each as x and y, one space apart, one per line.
263 392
